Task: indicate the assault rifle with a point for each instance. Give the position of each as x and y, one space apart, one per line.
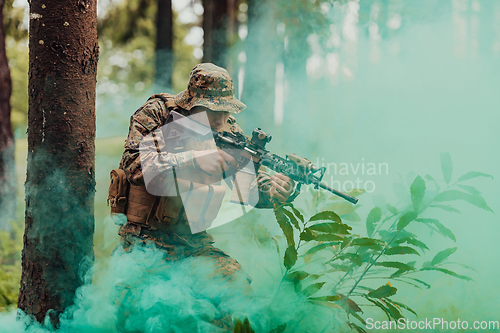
244 150
299 169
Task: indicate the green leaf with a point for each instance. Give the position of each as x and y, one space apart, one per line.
277 244
292 218
299 275
347 242
381 306
351 305
426 264
242 326
329 238
297 286
406 219
356 327
307 235
366 242
395 264
412 241
419 281
337 267
313 288
447 208
457 195
373 217
471 189
392 209
325 298
401 250
397 273
297 213
333 228
447 271
438 258
285 225
417 191
290 257
320 247
446 166
441 228
417 243
358 317
429 177
326 215
341 207
384 291
406 307
394 311
473 174
352 216
355 258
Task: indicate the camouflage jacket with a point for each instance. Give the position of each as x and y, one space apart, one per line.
152 115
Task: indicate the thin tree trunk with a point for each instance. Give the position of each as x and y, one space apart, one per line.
297 113
164 46
261 48
215 31
7 165
60 181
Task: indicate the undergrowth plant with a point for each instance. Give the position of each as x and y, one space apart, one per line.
343 262
10 266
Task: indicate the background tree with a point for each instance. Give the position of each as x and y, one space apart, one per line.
60 182
215 30
164 45
7 165
150 20
261 48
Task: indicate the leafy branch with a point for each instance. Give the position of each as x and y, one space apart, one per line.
357 258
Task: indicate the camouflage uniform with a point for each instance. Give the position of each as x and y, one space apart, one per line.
152 115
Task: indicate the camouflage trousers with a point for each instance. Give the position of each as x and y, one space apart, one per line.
199 245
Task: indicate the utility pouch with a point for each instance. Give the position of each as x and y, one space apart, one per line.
117 195
141 205
199 204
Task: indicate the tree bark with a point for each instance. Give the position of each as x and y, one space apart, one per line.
7 165
215 19
60 181
164 46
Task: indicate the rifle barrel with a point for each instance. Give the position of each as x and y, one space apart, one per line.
347 197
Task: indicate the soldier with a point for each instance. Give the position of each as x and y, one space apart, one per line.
160 219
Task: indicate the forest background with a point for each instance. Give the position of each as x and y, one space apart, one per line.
391 82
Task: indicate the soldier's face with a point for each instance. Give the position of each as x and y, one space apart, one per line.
216 118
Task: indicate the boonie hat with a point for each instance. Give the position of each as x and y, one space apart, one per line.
212 87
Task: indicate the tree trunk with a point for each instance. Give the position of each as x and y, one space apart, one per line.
60 181
261 48
164 46
215 33
7 165
296 53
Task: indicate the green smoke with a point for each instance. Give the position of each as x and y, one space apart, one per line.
142 291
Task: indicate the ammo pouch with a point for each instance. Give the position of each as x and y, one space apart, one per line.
117 195
198 203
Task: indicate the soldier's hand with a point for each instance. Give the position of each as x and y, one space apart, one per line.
282 187
214 161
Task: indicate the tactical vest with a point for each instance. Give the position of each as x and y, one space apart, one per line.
196 205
